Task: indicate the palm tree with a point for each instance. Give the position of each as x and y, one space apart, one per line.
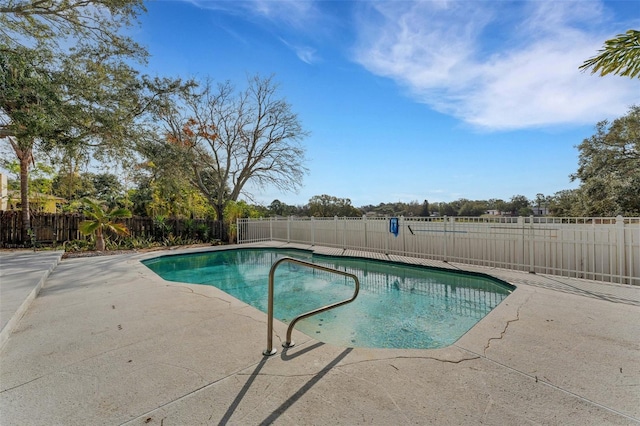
99 220
621 55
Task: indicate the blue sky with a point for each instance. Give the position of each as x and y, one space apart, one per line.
404 100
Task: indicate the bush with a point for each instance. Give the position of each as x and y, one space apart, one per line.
79 245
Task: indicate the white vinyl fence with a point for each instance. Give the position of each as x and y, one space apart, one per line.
602 249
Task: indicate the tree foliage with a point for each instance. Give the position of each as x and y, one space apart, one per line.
413 208
279 208
54 96
163 186
101 220
330 206
609 168
50 24
106 188
72 186
232 212
472 208
26 100
620 55
520 205
56 93
565 203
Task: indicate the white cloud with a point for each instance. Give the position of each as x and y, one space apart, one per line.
286 16
291 13
294 13
495 65
306 54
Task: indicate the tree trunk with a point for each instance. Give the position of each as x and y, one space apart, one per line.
25 158
100 245
220 216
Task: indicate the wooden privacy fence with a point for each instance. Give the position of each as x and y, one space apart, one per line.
602 249
51 228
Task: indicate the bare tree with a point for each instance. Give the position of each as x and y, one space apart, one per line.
230 138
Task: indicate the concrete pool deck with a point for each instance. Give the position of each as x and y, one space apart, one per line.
109 342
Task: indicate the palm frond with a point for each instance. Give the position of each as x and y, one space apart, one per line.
93 209
621 55
118 228
88 227
120 213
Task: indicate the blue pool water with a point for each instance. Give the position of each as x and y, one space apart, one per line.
399 305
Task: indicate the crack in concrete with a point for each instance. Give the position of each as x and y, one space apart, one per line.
502 333
25 383
346 364
194 292
448 361
561 389
506 326
182 367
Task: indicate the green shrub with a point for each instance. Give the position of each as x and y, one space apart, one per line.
79 245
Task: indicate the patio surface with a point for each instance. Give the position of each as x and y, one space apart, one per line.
106 341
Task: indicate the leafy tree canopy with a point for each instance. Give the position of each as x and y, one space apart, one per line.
64 76
609 168
54 25
329 206
68 83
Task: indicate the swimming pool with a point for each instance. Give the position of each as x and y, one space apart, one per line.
399 305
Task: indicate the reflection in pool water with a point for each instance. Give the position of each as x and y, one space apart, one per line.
399 305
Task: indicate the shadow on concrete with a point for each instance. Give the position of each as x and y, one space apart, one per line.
304 389
295 397
564 286
285 351
234 405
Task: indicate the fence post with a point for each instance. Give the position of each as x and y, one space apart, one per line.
364 222
270 228
335 230
445 220
313 232
400 227
289 229
344 233
532 269
621 247
522 239
452 231
387 236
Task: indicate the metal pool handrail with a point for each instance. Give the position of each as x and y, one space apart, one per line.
270 350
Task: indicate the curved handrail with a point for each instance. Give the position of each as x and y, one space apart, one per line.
270 350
